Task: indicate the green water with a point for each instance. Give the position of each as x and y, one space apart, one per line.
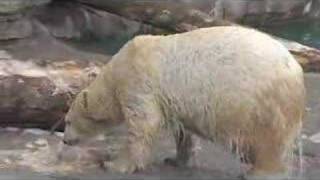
304 32
106 45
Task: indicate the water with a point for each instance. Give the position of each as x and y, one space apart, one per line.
304 32
106 45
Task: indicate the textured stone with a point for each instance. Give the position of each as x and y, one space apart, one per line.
314 9
14 6
15 29
244 11
37 92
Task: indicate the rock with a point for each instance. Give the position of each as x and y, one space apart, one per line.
185 15
310 148
315 138
207 11
14 18
34 131
13 28
14 6
37 93
172 15
38 72
73 21
314 9
308 57
180 16
67 20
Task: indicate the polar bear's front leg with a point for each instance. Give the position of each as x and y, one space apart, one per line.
144 124
185 149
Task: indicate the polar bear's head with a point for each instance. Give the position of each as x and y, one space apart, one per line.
89 116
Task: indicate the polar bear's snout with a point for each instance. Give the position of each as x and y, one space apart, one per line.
70 138
70 142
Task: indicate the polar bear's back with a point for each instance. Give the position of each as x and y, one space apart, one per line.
226 73
215 78
225 54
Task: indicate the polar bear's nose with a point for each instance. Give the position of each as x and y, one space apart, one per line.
70 142
66 142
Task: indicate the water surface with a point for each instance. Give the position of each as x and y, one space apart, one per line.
304 32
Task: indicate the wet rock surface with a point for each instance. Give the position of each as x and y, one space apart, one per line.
37 154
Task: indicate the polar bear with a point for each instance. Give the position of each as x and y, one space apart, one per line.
226 84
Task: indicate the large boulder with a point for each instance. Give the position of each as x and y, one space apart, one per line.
251 12
314 8
16 6
14 27
37 94
67 20
40 74
14 19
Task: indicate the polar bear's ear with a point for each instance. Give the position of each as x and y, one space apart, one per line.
85 99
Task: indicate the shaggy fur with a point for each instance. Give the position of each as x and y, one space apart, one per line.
228 84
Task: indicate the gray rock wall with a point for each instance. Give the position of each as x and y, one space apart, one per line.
16 6
69 19
249 11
